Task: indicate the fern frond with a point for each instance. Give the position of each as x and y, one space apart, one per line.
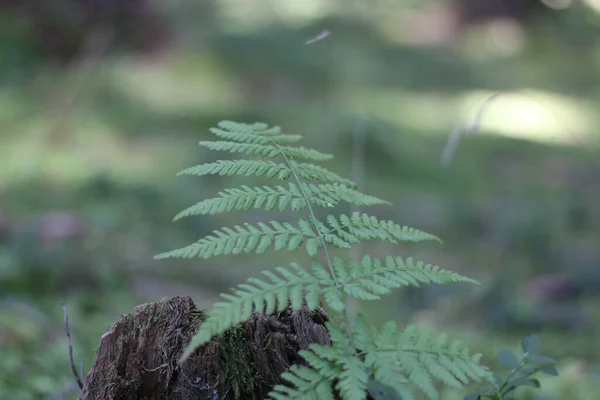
333 194
337 361
363 333
294 287
246 239
360 226
368 360
269 151
371 278
256 128
267 198
268 169
353 379
311 172
413 356
244 133
246 198
306 383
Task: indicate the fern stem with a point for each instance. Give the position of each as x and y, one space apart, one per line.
313 219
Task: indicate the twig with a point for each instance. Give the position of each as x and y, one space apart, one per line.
459 131
320 36
78 377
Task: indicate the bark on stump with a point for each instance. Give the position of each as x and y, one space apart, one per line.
137 357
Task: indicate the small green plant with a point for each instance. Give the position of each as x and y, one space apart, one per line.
520 371
385 362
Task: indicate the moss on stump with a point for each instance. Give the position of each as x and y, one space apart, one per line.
137 357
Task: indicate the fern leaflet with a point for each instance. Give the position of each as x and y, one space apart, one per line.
269 151
246 239
295 288
268 198
268 169
371 278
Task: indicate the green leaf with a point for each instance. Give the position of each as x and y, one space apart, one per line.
549 371
519 382
508 359
312 246
530 344
353 379
248 238
334 298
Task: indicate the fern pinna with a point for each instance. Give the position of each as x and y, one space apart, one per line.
385 363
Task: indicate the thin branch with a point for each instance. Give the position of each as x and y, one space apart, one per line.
78 377
320 36
459 131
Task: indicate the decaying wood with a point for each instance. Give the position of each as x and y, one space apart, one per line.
137 357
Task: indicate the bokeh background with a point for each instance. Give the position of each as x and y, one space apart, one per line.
102 102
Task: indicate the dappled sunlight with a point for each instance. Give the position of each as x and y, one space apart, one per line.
252 15
178 84
593 4
533 115
80 150
418 110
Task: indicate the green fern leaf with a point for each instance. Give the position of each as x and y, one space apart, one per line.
363 333
314 380
432 364
388 373
357 227
312 246
334 194
244 133
371 278
245 239
305 383
269 151
311 172
334 298
339 339
246 198
268 198
268 169
416 356
339 359
417 373
294 288
353 379
383 359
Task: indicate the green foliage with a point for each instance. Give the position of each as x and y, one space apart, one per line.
519 372
384 362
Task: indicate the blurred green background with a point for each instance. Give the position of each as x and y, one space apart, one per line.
101 103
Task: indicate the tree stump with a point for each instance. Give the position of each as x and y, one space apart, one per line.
137 357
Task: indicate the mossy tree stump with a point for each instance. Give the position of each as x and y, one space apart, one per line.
137 357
